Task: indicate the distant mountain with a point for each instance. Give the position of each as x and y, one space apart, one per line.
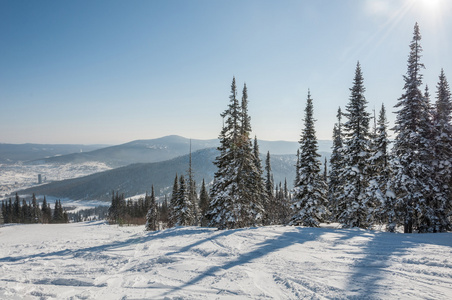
165 148
140 151
13 153
137 178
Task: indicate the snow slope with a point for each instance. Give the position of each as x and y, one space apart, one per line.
98 261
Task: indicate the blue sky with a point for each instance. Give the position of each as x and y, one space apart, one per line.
114 71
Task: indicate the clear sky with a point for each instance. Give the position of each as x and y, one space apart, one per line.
110 72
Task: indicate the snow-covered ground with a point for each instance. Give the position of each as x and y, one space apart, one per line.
98 261
18 176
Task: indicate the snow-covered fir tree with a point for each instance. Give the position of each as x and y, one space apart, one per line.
309 202
234 200
442 203
412 155
152 216
259 181
222 212
183 210
192 195
335 182
173 203
204 200
270 207
380 196
353 206
250 197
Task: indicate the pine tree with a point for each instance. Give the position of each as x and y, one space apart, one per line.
352 199
335 182
152 216
309 201
442 203
412 149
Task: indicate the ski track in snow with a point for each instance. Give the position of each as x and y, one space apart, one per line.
96 261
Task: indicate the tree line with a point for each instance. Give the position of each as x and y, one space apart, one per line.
18 211
367 184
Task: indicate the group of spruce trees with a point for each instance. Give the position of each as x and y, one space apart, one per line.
368 183
18 211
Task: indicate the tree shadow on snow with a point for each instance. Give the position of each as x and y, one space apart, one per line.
299 236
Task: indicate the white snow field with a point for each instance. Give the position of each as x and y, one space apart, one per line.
97 261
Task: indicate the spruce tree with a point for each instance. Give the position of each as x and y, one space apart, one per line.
173 203
259 180
380 195
335 182
235 200
411 152
442 203
192 195
183 211
204 200
222 212
270 211
152 216
353 206
309 200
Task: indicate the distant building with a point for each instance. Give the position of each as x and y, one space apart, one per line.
39 178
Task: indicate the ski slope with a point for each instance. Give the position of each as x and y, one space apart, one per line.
97 261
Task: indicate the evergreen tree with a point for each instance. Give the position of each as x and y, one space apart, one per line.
335 182
17 210
442 141
2 213
203 202
380 196
412 148
192 195
183 213
352 199
222 212
152 216
46 212
270 210
261 194
35 211
173 203
235 200
309 201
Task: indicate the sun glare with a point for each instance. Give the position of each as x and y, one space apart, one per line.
431 5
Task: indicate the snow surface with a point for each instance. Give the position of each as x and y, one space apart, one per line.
97 261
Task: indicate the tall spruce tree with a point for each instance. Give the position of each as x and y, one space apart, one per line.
270 211
335 182
234 201
192 195
152 216
309 194
222 212
173 203
412 180
258 180
352 200
442 203
204 200
380 195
